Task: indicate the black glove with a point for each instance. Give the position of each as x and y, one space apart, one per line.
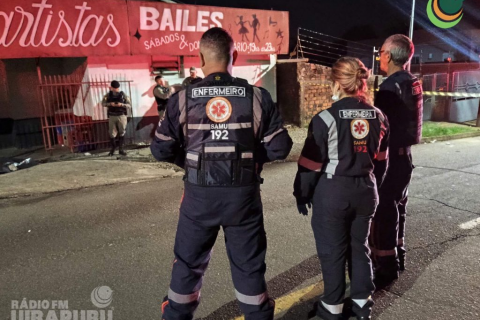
302 208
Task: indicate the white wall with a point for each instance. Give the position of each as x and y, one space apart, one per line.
257 70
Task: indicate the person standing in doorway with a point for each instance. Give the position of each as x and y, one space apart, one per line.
117 104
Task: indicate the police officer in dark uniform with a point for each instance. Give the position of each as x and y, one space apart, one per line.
118 104
228 130
336 175
400 98
162 92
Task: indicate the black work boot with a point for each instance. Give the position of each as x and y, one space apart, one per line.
320 311
112 147
365 312
120 146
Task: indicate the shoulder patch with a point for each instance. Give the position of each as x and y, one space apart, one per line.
417 88
357 114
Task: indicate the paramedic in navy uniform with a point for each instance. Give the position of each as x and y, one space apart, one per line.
336 175
227 130
401 99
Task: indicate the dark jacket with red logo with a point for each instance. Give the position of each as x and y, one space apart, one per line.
349 139
401 99
221 130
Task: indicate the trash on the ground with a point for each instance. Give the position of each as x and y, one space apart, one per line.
29 231
433 141
12 165
141 144
87 154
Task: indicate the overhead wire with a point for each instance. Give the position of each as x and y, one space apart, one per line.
326 35
337 44
330 47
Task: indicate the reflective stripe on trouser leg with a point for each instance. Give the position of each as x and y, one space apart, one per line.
361 302
333 309
183 298
252 300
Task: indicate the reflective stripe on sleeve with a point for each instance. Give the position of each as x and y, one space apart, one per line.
309 164
269 138
252 300
162 137
183 298
382 155
257 109
193 157
332 141
182 104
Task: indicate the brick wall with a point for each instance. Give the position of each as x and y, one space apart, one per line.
315 96
303 90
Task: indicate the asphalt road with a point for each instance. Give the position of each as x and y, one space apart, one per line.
64 245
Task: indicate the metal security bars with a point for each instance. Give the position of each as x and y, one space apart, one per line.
72 113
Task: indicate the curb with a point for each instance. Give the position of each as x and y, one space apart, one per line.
452 137
47 193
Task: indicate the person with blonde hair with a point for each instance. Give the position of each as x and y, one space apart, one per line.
336 175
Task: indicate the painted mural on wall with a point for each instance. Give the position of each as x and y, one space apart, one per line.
160 28
58 28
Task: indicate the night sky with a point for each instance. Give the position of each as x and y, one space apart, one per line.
352 19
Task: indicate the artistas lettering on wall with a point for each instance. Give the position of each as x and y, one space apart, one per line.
80 28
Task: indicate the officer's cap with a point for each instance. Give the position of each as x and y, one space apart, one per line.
115 84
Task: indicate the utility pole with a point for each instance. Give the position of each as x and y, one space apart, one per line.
412 21
373 59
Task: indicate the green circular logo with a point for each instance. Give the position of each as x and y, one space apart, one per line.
445 13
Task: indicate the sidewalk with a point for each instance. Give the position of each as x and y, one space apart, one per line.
69 171
71 175
447 289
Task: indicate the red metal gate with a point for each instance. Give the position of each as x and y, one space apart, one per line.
73 115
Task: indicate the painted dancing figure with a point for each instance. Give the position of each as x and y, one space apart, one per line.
255 25
243 30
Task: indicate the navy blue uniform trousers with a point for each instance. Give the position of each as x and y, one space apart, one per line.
388 228
238 210
343 208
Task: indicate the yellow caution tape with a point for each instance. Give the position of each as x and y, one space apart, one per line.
448 94
452 94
